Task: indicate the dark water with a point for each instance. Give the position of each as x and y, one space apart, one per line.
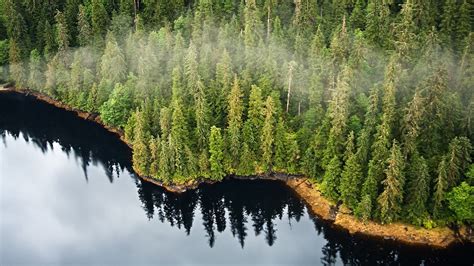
69 196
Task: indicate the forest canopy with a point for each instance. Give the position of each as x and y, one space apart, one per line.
373 100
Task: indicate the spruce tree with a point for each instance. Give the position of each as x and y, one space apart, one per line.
380 147
99 17
331 179
234 124
254 123
338 112
358 16
351 176
216 151
113 67
62 34
36 78
267 137
464 24
391 199
141 150
418 189
448 22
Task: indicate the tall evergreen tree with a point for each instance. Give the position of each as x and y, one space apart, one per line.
351 176
216 150
234 124
418 189
267 137
390 200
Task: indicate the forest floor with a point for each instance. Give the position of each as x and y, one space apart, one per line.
318 205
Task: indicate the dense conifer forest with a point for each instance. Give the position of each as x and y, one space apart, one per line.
373 100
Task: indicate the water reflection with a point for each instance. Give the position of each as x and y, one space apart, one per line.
80 218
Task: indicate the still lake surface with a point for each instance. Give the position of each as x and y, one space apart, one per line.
68 195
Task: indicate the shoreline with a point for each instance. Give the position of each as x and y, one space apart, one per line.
319 206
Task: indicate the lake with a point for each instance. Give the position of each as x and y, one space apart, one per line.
68 195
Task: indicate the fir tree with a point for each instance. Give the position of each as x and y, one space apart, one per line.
331 179
254 123
267 138
351 176
234 124
418 189
36 79
113 68
99 18
62 34
216 150
390 200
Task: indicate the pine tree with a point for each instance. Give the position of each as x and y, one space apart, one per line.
378 22
155 149
99 18
84 27
293 153
463 25
234 124
281 154
252 32
254 123
365 138
62 34
17 71
49 40
216 150
338 112
406 38
390 200
222 88
331 179
113 67
448 22
340 44
267 138
358 16
166 163
418 189
179 139
202 116
451 168
380 147
351 176
141 149
36 78
413 122
440 188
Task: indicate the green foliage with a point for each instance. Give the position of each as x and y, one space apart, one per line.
390 200
116 110
216 150
461 203
36 79
267 138
351 176
331 179
234 127
4 52
418 189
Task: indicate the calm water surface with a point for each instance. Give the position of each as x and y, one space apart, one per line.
68 195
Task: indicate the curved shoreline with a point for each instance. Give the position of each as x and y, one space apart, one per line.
316 203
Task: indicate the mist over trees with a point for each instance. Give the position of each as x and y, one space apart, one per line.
374 100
